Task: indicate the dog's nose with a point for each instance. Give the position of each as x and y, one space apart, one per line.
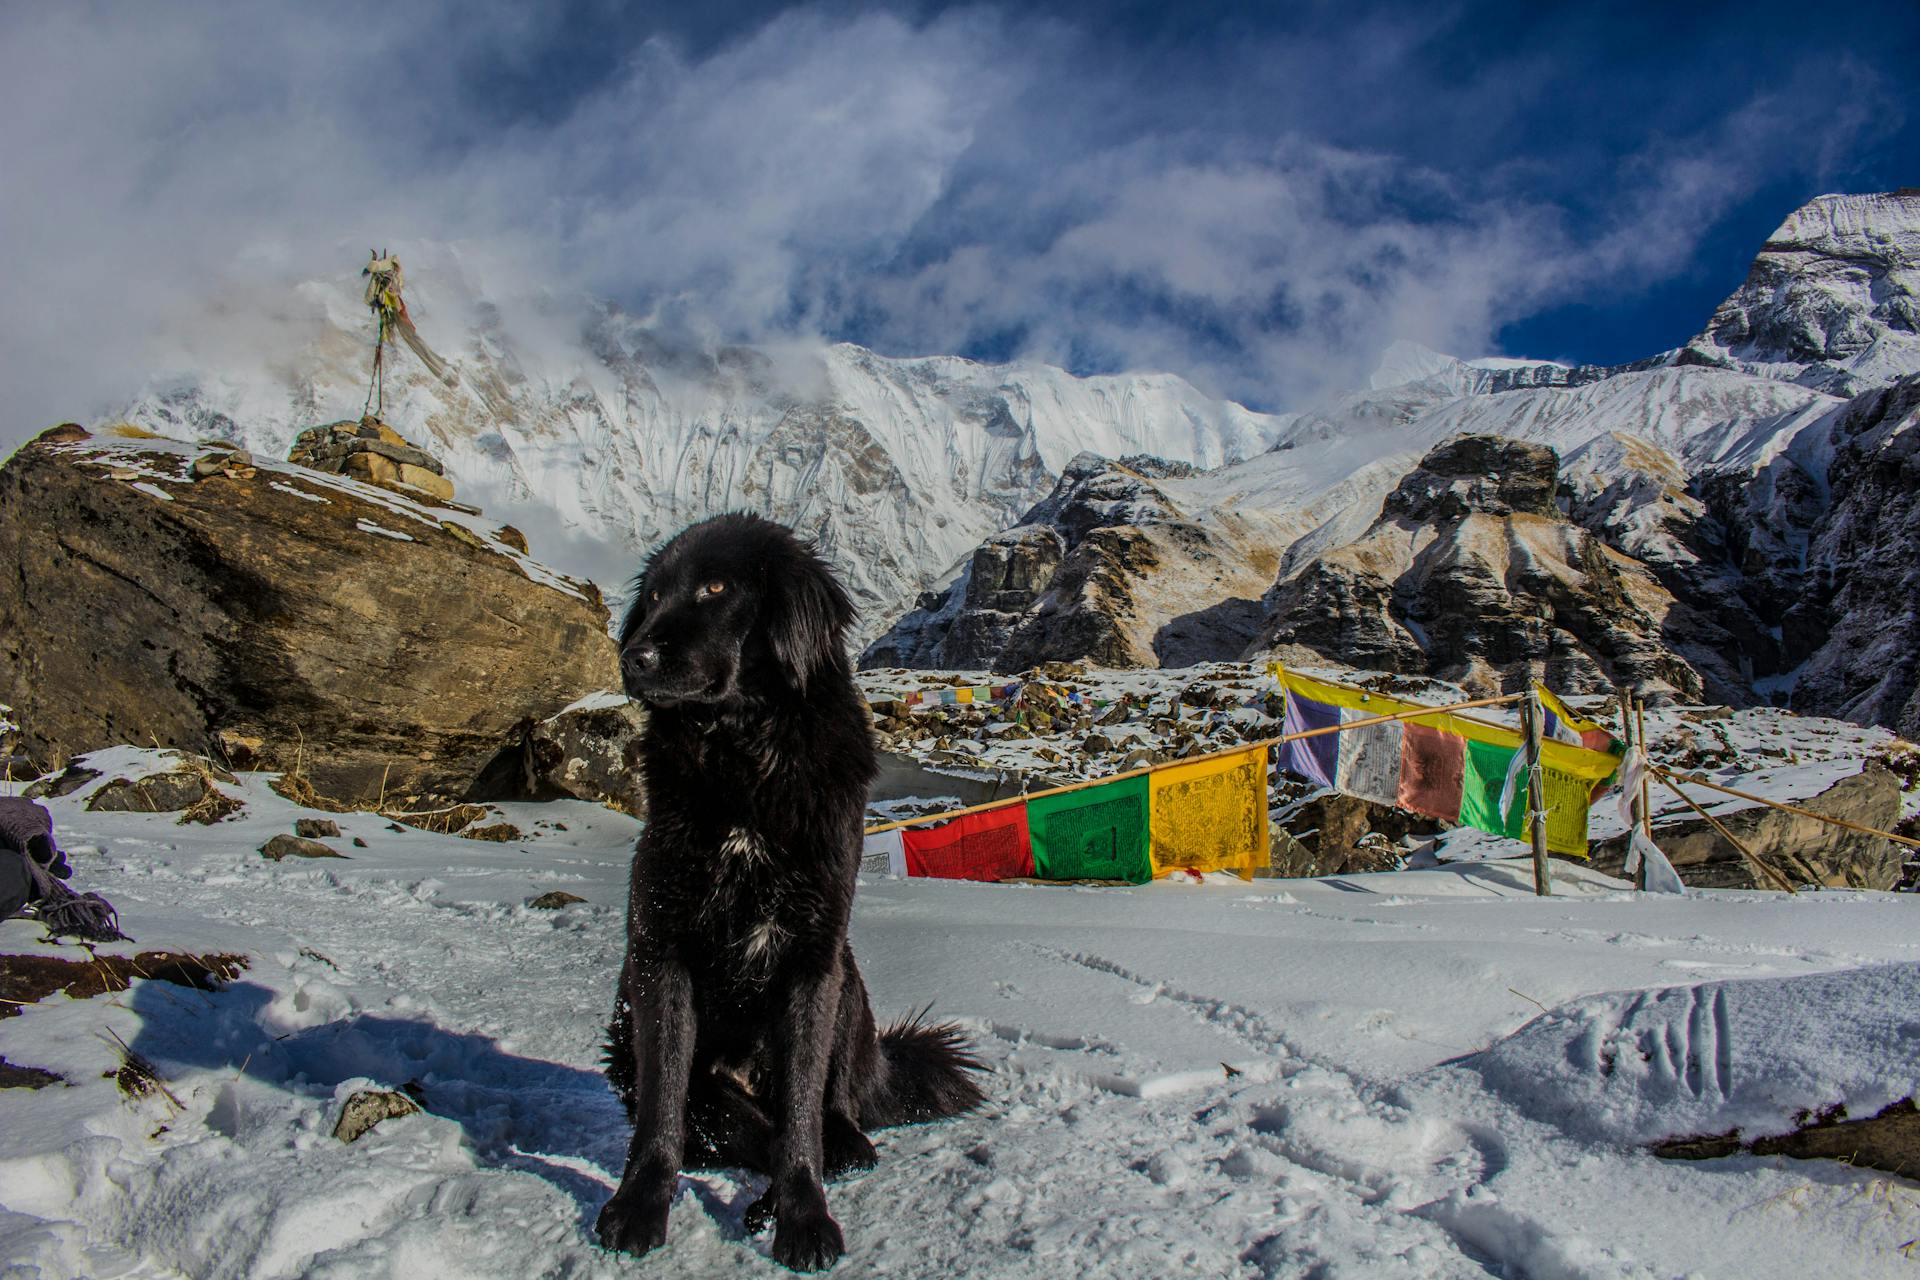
640 659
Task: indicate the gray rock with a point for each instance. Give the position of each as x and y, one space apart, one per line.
315 828
554 899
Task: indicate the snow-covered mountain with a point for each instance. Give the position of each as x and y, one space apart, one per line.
1708 463
1734 468
588 422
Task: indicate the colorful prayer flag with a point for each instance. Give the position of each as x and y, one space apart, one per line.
1370 757
1484 783
1315 759
1211 815
1095 833
1563 725
1432 767
975 846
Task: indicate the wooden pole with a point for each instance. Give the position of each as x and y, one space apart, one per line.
1694 779
1765 870
1646 801
1416 714
1531 720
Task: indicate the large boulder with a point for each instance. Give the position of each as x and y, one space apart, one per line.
1806 850
364 640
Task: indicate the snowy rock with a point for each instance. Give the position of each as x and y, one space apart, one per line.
1863 569
336 623
1752 1058
1833 299
1806 850
286 846
369 1107
1470 574
1106 569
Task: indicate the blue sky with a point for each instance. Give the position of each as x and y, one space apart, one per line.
1257 197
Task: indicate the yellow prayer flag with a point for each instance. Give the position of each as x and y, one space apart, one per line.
1211 815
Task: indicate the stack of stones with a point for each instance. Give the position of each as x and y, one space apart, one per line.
372 451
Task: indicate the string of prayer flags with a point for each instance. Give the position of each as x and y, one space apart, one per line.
952 695
1201 815
1445 766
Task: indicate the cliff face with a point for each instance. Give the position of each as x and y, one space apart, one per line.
1107 568
311 621
1861 595
1472 574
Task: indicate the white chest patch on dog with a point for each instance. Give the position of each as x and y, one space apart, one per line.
745 845
763 940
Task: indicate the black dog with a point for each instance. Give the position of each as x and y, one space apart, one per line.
742 1036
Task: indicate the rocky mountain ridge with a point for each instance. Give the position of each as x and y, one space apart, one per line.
1760 517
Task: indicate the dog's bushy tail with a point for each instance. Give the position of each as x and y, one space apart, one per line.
928 1074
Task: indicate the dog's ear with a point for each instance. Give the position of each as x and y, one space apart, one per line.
808 613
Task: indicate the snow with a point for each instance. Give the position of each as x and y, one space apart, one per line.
1407 1094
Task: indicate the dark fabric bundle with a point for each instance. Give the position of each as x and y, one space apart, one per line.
33 872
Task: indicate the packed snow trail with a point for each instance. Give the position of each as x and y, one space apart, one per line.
1270 1079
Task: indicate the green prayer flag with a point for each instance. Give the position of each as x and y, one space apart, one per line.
1486 778
1097 833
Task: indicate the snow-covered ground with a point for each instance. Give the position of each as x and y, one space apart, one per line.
1280 1078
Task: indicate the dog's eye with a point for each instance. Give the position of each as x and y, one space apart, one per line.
654 598
714 588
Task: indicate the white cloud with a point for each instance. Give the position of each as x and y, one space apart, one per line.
171 173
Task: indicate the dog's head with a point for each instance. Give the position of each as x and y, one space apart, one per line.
732 607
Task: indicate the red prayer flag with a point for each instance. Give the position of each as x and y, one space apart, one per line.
976 846
1432 768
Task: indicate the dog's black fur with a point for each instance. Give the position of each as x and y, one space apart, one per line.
741 1035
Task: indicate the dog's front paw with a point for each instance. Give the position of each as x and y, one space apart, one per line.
634 1222
807 1241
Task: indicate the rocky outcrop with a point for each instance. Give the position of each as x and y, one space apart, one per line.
1856 613
1472 575
1806 850
1832 300
366 641
1107 569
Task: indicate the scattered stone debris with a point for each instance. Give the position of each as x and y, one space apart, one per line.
554 899
499 833
228 461
286 846
368 1108
372 451
315 828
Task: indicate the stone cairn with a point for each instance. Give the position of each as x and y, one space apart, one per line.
372 451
